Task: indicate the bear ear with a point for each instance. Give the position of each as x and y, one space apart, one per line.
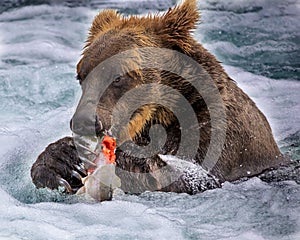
101 22
176 24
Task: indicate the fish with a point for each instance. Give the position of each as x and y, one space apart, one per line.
101 180
101 183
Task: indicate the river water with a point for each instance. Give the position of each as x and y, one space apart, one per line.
258 43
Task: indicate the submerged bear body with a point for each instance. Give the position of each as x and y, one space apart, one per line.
248 147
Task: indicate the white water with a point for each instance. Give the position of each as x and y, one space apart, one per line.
39 48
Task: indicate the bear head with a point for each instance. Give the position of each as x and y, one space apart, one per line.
111 64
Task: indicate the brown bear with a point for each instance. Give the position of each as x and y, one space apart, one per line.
233 123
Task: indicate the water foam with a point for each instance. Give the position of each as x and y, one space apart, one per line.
272 97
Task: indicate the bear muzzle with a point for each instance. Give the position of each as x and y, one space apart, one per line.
86 124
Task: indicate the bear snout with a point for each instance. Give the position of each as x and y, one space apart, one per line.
86 124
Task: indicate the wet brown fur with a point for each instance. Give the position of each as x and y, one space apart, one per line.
249 146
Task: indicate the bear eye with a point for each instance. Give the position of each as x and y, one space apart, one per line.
117 80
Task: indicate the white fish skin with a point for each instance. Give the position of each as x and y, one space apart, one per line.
101 183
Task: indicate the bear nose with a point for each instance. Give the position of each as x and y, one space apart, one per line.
85 124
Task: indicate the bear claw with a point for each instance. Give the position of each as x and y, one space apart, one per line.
76 175
64 183
81 169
